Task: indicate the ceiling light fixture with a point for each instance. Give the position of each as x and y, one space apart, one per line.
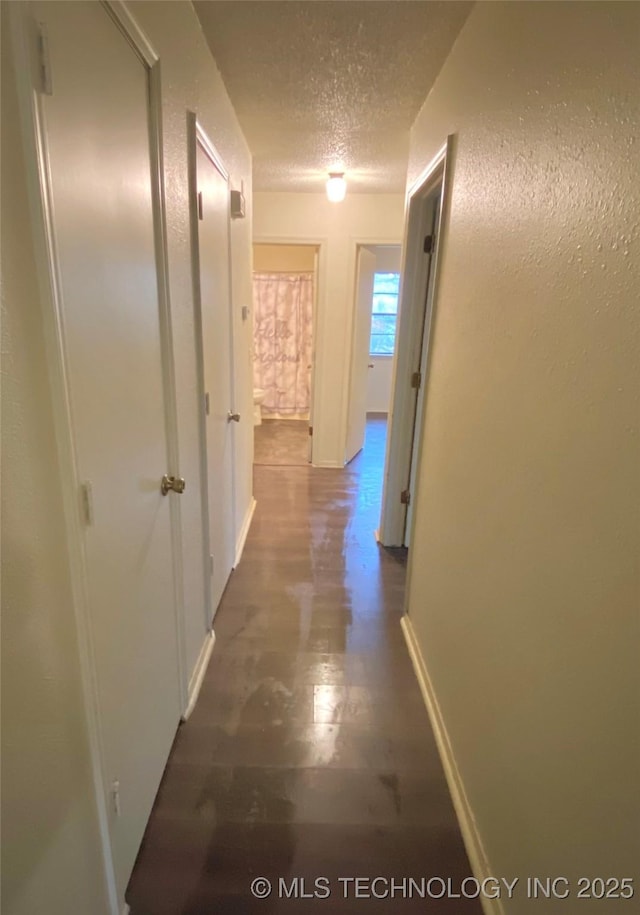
336 187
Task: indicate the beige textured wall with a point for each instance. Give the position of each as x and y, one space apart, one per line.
305 217
524 582
51 863
283 257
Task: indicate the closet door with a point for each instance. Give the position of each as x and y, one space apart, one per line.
217 349
97 127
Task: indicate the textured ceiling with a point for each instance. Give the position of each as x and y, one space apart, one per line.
329 85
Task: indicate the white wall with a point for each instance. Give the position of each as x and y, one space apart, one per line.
338 228
50 850
380 378
379 382
388 258
52 861
524 568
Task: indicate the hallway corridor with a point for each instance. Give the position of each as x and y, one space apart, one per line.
309 753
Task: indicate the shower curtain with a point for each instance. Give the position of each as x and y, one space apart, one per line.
282 340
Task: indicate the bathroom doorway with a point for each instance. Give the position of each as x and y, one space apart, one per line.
284 309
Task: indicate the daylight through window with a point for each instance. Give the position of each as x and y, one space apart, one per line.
384 313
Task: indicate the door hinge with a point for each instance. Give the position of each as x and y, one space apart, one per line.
416 380
207 403
200 206
210 564
429 244
44 61
405 497
310 430
115 797
86 499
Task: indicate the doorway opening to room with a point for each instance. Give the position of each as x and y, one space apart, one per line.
284 310
375 315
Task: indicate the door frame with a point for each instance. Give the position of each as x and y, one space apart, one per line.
197 136
24 39
415 322
356 242
320 244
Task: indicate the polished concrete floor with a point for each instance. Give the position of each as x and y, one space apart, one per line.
281 442
309 754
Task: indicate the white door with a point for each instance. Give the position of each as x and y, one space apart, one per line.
422 371
217 341
357 415
97 127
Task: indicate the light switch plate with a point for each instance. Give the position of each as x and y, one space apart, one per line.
237 205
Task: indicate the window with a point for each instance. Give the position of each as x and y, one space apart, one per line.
384 313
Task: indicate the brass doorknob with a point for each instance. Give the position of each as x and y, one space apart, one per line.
172 484
233 417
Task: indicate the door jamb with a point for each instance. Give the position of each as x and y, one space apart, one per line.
197 136
192 169
412 308
24 43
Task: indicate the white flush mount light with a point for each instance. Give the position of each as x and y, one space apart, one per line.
336 187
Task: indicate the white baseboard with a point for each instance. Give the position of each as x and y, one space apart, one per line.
468 827
334 465
242 536
199 671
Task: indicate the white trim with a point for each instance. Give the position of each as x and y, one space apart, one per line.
333 465
168 364
244 530
122 16
210 150
125 909
197 136
412 335
468 826
192 178
199 671
428 171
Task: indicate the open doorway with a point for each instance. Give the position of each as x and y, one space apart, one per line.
284 308
377 288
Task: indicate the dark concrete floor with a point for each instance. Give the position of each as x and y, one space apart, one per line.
309 753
